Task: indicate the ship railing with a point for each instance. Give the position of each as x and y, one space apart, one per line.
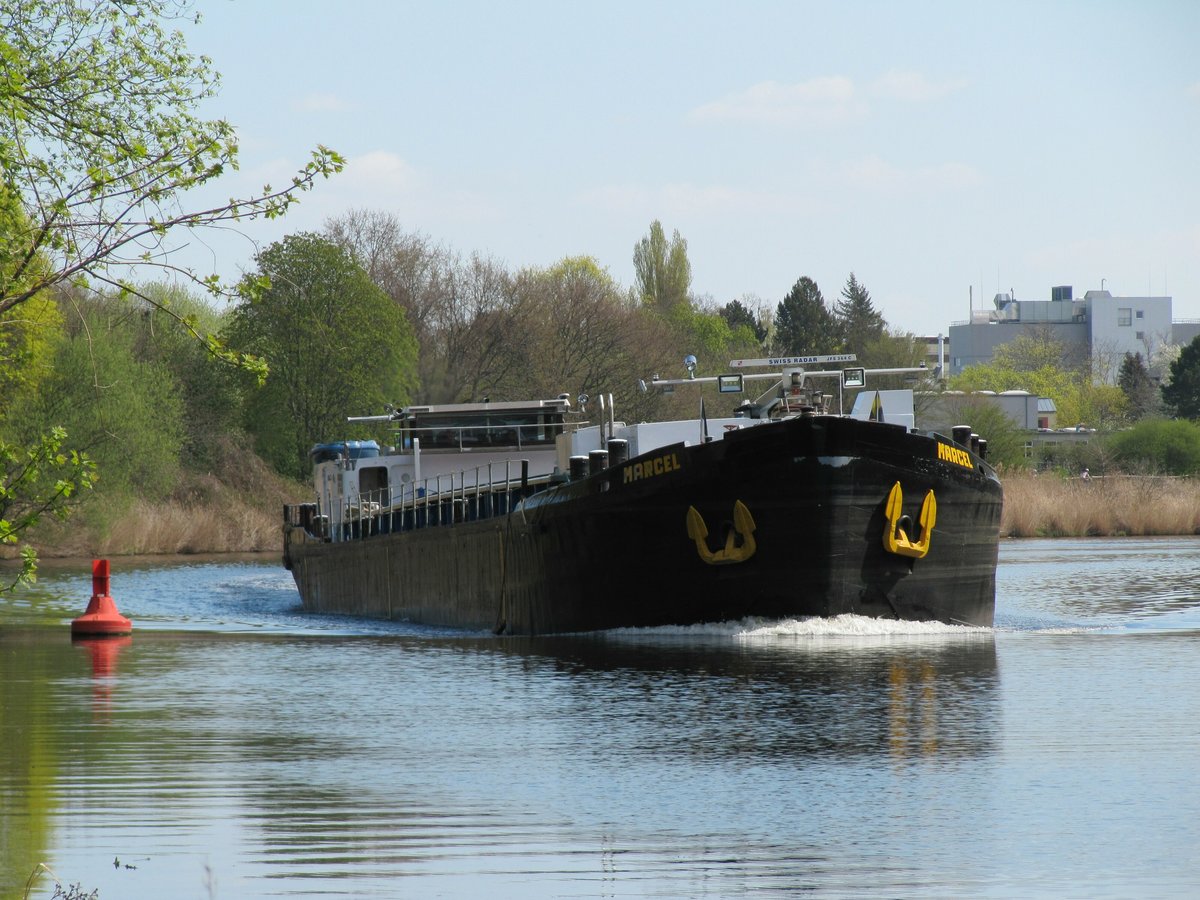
488 490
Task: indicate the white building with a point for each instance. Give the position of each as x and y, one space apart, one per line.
1100 327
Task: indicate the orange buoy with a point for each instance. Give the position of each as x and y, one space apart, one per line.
101 617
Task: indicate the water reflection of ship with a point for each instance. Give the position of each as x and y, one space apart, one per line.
899 695
602 701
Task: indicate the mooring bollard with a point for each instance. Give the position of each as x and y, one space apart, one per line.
101 619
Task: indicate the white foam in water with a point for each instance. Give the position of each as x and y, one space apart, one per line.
847 625
854 626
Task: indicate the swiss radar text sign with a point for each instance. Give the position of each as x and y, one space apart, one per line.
792 360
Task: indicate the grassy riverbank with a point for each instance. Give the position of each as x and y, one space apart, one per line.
1050 505
238 512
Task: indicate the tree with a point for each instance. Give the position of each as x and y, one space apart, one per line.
738 315
99 144
39 476
578 332
28 336
1036 349
1038 362
803 325
861 324
124 410
1182 393
663 271
209 389
1140 391
708 335
337 345
1079 400
456 306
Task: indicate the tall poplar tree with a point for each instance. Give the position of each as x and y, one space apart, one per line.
663 271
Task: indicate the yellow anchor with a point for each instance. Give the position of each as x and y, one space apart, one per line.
895 538
743 527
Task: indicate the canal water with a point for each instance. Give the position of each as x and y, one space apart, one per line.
235 747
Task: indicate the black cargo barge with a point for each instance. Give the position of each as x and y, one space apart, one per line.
793 513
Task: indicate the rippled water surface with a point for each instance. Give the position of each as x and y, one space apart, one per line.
236 747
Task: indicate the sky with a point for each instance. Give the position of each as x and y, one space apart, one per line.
941 151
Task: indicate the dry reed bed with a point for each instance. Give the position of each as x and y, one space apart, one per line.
1048 505
148 528
238 513
168 528
1116 505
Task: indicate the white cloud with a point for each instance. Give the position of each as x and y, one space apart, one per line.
384 180
378 175
378 180
320 101
689 199
618 198
681 199
1193 90
912 87
827 100
877 175
818 101
379 172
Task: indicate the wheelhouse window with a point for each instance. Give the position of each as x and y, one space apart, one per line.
465 431
372 478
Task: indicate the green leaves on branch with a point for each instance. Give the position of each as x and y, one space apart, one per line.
38 479
100 141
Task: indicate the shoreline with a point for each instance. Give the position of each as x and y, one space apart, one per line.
1035 506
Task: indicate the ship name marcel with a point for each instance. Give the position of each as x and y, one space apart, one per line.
659 465
955 455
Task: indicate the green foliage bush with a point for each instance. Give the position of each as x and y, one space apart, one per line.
1158 446
124 412
210 388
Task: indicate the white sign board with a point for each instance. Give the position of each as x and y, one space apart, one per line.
778 361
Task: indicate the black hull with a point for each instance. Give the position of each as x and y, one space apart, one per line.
613 549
